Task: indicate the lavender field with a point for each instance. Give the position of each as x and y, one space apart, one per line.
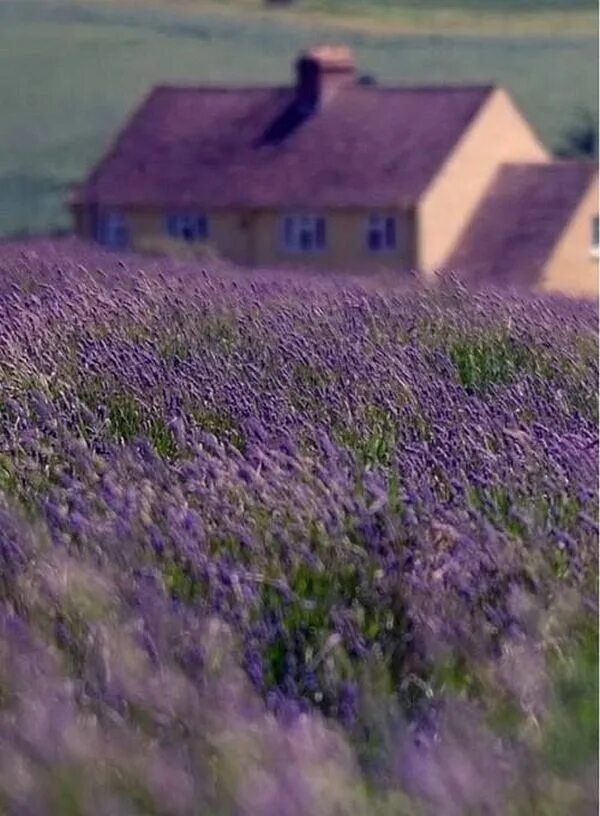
291 547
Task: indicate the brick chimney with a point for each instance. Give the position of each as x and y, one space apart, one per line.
321 72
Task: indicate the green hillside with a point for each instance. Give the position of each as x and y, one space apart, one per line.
488 17
475 6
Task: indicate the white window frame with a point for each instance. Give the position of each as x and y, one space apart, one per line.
190 227
383 225
595 242
112 229
303 233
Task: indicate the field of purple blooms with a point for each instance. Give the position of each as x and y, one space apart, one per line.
282 546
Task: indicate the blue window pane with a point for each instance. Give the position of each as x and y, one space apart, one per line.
120 238
374 240
381 233
320 233
306 241
186 226
304 233
390 233
112 230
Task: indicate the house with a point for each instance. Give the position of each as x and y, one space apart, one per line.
536 227
328 173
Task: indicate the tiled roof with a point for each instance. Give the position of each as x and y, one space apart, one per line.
519 222
253 147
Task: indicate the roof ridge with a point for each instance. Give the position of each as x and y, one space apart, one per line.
208 88
442 86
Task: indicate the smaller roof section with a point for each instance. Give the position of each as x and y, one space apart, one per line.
519 222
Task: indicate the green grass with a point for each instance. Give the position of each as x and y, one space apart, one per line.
424 16
490 360
524 6
70 73
571 735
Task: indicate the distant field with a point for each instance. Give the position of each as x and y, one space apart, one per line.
70 73
401 16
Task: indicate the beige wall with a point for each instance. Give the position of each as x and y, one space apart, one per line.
147 229
346 244
573 269
255 239
225 230
499 134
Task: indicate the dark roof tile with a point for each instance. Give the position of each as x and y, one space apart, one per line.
519 222
251 147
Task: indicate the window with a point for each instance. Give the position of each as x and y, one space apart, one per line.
381 233
112 229
304 233
187 226
595 248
